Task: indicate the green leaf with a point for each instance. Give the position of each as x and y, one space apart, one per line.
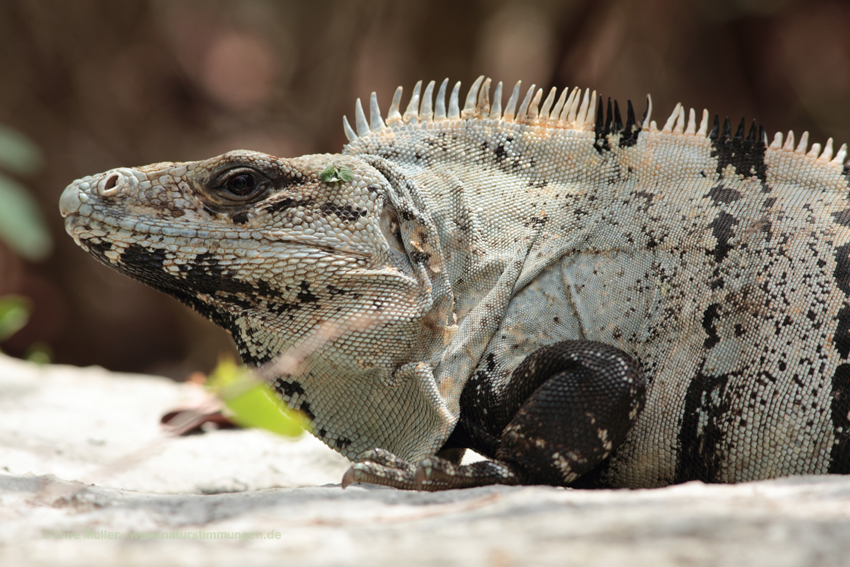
344 174
14 314
260 408
17 153
21 223
334 174
329 175
252 402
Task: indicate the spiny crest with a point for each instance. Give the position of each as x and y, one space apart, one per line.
572 109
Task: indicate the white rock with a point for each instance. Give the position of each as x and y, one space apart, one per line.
60 424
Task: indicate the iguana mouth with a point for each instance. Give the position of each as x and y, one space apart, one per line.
315 243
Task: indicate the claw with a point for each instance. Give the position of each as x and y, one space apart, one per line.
423 473
382 468
349 477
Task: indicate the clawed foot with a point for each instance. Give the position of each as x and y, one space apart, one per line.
381 467
434 473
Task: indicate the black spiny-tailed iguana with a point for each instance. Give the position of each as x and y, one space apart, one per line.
583 302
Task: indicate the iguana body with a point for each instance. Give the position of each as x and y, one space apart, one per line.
679 296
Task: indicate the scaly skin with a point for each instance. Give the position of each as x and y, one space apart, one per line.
397 305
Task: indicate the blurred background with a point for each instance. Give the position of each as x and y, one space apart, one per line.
86 86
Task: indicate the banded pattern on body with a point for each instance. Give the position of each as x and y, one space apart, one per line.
471 235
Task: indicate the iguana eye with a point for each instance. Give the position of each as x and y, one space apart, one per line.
240 185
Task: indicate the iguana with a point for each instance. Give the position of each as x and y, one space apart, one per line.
583 301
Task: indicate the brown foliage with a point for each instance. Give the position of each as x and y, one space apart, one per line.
101 84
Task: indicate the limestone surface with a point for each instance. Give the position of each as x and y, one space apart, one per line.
88 478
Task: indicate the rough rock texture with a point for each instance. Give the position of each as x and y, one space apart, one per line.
60 423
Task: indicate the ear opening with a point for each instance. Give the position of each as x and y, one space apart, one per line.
391 229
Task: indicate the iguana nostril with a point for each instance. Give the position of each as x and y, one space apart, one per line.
111 184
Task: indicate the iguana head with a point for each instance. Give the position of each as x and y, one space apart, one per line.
274 250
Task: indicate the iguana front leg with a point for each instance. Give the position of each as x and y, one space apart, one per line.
563 412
